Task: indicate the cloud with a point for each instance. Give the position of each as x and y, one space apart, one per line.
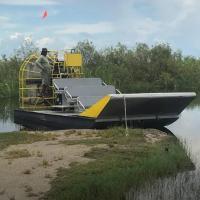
45 42
100 27
174 21
28 2
5 23
146 28
15 36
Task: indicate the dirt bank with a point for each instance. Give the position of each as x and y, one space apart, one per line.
27 169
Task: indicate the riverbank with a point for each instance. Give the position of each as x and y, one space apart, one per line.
86 164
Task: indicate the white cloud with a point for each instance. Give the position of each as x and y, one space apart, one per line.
15 36
140 29
5 23
28 2
69 44
45 42
101 27
174 21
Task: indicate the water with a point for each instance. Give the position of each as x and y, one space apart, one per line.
7 107
188 128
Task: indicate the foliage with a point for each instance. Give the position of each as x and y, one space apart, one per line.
141 69
9 68
14 138
18 153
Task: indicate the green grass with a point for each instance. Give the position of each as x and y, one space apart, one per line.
130 162
18 153
114 136
15 138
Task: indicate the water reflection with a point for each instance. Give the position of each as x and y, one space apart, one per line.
7 107
187 128
184 186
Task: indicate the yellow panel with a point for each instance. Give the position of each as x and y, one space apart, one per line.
96 109
73 60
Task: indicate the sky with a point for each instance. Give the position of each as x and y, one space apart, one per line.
104 22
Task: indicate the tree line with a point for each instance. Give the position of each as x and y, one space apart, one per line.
9 69
141 69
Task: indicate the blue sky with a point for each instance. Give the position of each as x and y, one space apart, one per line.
104 22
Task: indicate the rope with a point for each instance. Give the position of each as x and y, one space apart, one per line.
125 116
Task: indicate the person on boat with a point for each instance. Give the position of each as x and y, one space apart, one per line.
43 63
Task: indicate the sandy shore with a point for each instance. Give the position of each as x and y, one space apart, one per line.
29 177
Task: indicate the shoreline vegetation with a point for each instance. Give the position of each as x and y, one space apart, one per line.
143 68
111 162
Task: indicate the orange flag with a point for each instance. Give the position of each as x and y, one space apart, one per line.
45 14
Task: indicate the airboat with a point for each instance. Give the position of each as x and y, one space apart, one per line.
78 102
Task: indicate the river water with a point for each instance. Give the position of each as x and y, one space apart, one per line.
184 186
7 107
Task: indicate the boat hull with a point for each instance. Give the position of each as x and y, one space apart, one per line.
44 121
150 110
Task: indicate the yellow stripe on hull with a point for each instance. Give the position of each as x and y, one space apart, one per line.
96 109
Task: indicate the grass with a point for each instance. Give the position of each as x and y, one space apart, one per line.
58 158
14 138
12 198
110 137
2 192
27 171
18 153
29 191
90 142
28 188
39 154
129 162
48 176
45 163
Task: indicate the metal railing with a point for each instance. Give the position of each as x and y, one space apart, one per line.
79 104
30 96
26 100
